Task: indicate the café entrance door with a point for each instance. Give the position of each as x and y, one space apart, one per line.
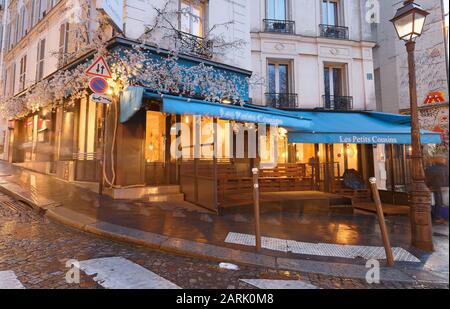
160 167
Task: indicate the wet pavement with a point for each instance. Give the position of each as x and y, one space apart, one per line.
196 224
36 251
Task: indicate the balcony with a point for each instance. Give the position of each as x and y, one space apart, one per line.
337 103
334 32
279 26
282 100
193 45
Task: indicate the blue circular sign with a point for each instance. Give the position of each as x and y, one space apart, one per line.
98 85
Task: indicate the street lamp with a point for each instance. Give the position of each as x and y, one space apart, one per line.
408 22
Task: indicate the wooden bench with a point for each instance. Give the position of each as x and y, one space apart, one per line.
234 189
357 196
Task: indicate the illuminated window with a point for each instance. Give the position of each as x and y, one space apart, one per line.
155 137
346 155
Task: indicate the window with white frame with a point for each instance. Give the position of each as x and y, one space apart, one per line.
14 28
36 10
7 36
10 79
1 36
21 23
63 43
22 72
331 13
335 80
192 19
279 77
42 8
277 9
40 60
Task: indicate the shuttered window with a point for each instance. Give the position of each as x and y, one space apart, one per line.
22 72
40 60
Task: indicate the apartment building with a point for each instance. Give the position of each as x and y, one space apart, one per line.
316 54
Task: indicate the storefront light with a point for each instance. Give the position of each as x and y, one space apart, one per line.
282 132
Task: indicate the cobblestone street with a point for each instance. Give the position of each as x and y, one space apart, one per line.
37 250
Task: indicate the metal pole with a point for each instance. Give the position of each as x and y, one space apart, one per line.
102 156
421 227
257 211
381 221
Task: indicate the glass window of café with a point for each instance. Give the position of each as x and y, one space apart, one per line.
89 129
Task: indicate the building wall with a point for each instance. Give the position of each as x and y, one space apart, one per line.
308 52
137 14
234 14
390 58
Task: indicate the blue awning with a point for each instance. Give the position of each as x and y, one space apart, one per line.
245 113
358 128
130 102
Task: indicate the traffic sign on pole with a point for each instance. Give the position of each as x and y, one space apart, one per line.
99 68
98 85
101 98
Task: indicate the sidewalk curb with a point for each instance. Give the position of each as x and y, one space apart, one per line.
68 217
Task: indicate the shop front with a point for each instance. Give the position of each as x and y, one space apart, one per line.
359 143
155 143
207 149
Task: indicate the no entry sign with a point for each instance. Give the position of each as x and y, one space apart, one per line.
98 85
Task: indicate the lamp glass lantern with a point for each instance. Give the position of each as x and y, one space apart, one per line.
409 21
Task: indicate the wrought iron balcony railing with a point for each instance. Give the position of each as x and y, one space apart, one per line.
194 45
340 103
280 26
282 100
334 32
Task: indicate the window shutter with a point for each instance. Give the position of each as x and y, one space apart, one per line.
13 79
41 65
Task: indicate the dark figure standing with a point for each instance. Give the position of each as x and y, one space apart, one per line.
436 178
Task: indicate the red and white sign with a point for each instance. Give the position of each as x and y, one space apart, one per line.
98 85
99 68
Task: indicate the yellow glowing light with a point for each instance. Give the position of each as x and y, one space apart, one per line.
186 119
148 161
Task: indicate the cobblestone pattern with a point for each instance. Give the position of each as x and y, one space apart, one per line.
37 250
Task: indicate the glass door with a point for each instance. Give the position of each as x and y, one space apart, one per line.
159 169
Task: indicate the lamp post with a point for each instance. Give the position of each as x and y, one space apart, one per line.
408 22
